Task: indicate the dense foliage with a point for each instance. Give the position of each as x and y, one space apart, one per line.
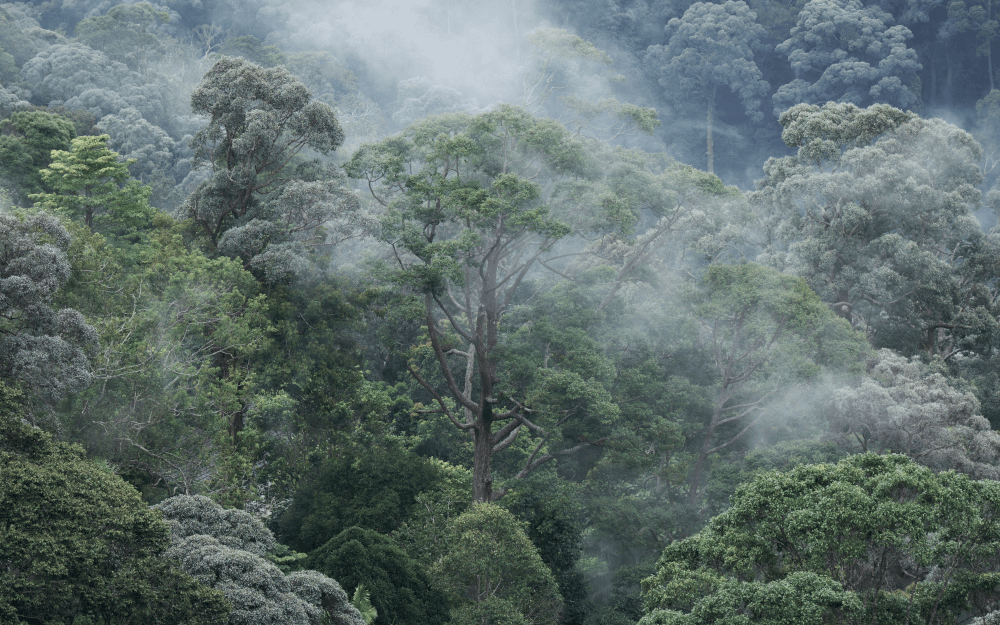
436 298
400 588
79 544
872 538
226 549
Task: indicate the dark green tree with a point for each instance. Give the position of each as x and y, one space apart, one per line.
873 538
77 542
27 139
553 511
373 490
314 355
494 573
400 588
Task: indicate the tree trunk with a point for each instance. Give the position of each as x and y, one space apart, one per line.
844 308
517 30
237 423
486 340
949 82
482 462
989 45
699 468
711 105
933 63
699 465
989 63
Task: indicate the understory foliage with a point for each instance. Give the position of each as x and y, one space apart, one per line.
400 588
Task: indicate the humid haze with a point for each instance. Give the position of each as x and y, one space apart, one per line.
510 312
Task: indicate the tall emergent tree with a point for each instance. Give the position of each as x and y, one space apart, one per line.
710 47
467 219
254 207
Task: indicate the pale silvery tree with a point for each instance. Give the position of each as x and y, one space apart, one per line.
41 347
226 549
155 158
712 47
845 52
65 71
135 138
10 102
97 102
79 78
876 212
904 406
22 36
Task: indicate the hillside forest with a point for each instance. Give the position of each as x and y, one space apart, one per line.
510 312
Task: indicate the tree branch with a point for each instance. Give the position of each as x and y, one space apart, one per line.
443 361
505 443
444 408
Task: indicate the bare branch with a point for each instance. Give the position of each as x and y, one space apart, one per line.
443 361
505 443
440 401
454 324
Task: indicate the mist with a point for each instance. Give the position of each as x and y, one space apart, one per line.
378 299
